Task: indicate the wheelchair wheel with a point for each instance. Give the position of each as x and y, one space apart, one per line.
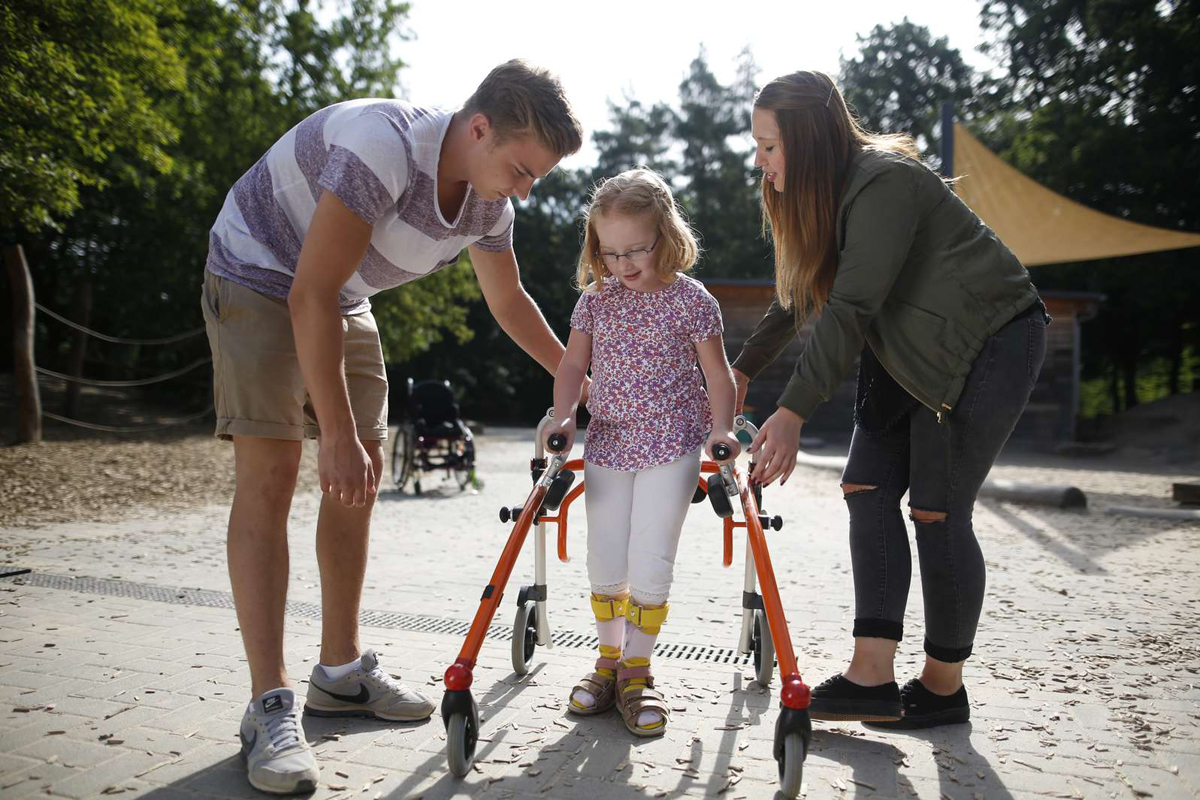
402 457
764 650
524 638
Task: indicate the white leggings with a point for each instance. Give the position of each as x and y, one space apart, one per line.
634 522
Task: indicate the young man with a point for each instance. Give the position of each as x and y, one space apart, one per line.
361 196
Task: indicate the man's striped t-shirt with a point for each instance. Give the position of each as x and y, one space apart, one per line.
380 158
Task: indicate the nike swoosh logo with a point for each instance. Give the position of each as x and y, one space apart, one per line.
361 698
248 744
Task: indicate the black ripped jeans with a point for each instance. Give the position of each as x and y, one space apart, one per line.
900 446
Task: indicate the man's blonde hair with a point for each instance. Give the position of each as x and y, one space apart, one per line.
519 98
634 193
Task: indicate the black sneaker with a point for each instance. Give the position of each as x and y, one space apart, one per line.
840 699
924 709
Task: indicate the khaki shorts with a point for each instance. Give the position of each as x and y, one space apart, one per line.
257 385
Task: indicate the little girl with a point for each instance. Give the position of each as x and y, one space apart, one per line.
642 325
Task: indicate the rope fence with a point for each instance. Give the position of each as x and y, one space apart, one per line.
179 337
127 383
137 382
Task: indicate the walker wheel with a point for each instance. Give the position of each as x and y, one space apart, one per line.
524 638
718 498
558 490
461 737
764 649
791 766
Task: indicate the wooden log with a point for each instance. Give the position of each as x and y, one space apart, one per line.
1186 493
1036 493
29 405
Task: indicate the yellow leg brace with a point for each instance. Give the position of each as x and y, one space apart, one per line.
647 620
606 608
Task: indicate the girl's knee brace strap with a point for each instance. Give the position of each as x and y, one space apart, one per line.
608 608
649 620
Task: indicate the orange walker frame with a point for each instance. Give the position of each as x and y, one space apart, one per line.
549 502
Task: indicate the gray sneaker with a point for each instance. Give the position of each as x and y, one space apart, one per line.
278 759
366 692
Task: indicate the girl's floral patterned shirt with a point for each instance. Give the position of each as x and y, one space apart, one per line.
647 399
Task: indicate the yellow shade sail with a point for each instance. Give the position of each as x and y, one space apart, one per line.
1041 226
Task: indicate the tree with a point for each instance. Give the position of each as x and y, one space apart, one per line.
717 184
1105 106
77 82
639 138
900 78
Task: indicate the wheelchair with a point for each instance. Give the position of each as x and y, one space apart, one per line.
764 631
432 438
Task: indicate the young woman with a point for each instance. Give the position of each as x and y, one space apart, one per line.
882 253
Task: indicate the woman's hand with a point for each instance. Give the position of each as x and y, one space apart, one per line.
727 438
776 446
741 382
566 427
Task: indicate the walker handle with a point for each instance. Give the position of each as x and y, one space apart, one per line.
722 451
557 443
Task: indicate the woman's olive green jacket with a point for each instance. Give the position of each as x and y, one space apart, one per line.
920 279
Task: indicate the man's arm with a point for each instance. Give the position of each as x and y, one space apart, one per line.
333 248
513 308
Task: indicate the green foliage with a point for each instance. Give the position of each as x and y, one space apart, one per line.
640 137
1102 105
900 78
136 229
719 188
423 312
79 81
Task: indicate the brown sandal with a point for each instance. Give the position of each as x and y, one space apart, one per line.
633 700
601 687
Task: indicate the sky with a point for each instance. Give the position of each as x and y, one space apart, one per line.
605 50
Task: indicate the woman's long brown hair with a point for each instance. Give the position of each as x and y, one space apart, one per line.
820 138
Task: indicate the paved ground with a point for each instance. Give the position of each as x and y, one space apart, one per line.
1086 680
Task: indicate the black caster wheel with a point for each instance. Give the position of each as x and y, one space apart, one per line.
558 490
718 498
764 649
461 738
791 765
524 638
416 487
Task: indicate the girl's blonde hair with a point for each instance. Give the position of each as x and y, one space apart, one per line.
633 193
820 138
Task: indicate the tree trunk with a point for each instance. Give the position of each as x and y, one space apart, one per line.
29 406
83 315
1114 388
1176 359
1129 368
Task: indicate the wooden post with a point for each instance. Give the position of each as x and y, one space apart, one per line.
946 149
29 406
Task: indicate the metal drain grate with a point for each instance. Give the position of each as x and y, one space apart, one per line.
420 623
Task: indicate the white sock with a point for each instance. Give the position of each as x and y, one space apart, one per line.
639 644
337 673
609 632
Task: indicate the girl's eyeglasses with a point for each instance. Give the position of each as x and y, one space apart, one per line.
639 256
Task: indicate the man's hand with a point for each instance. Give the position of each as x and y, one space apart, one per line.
346 472
776 446
741 382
